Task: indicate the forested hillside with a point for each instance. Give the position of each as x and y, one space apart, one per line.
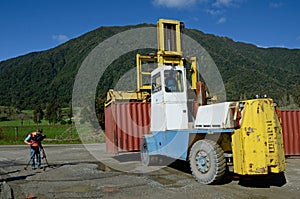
47 76
248 70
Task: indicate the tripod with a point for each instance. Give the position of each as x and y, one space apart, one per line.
42 152
44 157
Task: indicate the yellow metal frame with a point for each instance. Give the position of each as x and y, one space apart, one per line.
194 72
166 56
140 59
161 28
257 146
166 30
125 96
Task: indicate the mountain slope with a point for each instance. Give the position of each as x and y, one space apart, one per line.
41 77
249 70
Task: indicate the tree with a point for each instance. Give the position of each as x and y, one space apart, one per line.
38 114
100 111
53 113
296 92
70 115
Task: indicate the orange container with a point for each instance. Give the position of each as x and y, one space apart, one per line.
291 131
125 125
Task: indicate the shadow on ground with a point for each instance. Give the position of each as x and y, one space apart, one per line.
265 181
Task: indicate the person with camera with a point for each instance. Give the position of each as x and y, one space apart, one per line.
34 141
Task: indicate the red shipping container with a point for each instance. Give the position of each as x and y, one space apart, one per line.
291 131
125 125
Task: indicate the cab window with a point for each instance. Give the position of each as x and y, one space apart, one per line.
173 81
156 83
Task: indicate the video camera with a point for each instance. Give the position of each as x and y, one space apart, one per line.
39 137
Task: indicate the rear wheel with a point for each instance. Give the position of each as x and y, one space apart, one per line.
207 162
145 157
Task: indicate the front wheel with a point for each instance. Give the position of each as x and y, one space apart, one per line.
207 162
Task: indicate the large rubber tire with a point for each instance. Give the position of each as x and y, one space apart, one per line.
207 162
146 159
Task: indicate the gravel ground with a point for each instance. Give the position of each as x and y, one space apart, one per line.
76 171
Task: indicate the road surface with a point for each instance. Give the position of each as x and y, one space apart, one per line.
74 172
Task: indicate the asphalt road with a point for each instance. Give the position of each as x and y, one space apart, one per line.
76 171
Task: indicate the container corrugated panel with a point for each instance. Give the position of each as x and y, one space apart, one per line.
109 130
125 125
291 131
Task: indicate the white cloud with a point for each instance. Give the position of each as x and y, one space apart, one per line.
227 3
215 8
189 3
222 20
60 38
214 12
273 46
174 3
275 5
298 38
223 3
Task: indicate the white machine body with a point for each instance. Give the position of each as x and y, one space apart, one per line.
215 116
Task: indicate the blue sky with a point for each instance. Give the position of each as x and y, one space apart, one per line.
35 25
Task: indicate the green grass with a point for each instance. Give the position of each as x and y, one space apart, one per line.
28 111
19 125
55 134
22 123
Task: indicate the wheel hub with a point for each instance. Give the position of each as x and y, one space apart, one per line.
203 162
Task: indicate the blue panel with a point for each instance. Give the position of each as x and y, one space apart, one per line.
169 143
177 144
174 143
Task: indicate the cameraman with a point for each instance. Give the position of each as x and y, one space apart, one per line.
34 141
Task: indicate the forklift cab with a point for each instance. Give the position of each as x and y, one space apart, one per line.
168 99
171 82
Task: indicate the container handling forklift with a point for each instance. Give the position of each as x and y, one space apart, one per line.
243 136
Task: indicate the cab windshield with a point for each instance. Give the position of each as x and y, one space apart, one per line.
173 81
